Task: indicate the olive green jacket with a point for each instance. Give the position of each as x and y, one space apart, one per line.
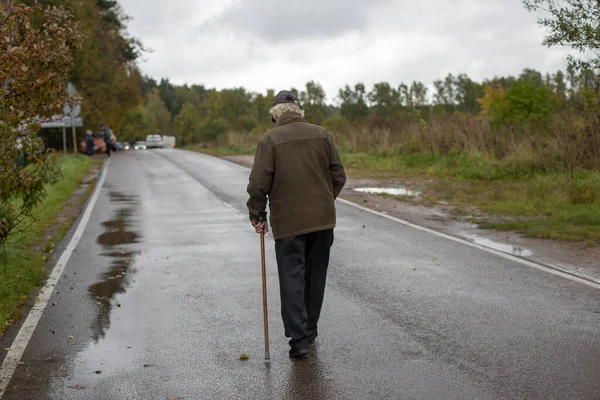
298 168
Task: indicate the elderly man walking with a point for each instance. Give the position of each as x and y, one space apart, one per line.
298 168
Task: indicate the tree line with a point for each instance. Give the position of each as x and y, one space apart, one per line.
527 103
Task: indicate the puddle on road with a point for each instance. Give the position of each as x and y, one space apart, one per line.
115 241
398 191
117 233
115 281
503 247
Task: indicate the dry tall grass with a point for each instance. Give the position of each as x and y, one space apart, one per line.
569 142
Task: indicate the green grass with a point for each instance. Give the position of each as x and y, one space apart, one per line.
26 268
460 165
514 194
223 150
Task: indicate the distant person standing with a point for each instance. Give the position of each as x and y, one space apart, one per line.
107 138
89 143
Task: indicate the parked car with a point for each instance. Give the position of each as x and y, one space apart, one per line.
154 142
126 146
119 146
99 144
168 142
139 145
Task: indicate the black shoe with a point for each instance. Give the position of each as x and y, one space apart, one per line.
298 353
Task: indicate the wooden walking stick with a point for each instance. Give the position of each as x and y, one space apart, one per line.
264 290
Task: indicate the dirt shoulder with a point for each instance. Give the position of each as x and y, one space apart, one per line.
572 257
49 246
69 213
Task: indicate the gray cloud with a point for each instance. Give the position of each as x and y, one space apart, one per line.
263 44
278 21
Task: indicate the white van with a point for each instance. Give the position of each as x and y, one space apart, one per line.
168 142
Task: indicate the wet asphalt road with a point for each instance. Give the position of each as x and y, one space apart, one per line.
163 294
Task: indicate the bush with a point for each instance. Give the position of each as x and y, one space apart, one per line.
337 124
584 189
211 129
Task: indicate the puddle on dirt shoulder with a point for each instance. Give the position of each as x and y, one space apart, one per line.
116 242
503 247
397 191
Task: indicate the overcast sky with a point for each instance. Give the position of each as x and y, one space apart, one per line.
260 44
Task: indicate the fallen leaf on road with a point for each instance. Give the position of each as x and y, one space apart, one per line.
7 348
149 365
76 387
98 371
37 300
244 356
70 338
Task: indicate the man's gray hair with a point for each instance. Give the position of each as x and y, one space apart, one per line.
286 108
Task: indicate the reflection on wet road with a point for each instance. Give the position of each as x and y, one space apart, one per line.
114 242
164 293
309 379
505 248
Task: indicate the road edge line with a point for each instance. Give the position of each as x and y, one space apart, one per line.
510 257
13 357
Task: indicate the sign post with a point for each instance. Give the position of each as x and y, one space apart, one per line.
73 113
74 136
71 117
64 139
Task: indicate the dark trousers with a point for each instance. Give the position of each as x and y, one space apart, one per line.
89 147
302 264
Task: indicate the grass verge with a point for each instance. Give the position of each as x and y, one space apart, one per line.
25 268
223 150
511 193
